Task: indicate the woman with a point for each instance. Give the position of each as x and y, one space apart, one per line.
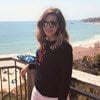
54 58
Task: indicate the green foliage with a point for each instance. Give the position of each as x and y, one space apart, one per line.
83 87
88 64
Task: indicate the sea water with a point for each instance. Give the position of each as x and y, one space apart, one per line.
20 37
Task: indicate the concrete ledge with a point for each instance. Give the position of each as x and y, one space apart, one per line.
86 77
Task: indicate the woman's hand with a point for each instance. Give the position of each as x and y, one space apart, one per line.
24 71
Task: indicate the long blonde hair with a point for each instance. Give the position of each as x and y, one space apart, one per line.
62 34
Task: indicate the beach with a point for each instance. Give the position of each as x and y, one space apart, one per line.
89 49
11 71
78 53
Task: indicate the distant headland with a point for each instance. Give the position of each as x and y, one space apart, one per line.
92 20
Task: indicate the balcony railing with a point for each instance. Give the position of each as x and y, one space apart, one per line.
13 87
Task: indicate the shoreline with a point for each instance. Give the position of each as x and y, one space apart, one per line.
78 53
95 23
88 43
80 50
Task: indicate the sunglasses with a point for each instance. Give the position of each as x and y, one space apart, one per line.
51 24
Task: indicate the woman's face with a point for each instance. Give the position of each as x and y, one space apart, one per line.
50 26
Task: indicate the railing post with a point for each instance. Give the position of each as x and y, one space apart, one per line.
1 84
73 96
30 82
16 81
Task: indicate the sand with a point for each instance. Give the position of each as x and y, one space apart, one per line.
78 53
4 72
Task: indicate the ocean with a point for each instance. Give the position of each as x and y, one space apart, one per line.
19 37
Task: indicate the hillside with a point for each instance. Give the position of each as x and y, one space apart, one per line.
97 20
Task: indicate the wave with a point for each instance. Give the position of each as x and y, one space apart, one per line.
89 42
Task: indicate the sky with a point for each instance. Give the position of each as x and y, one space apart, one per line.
19 10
